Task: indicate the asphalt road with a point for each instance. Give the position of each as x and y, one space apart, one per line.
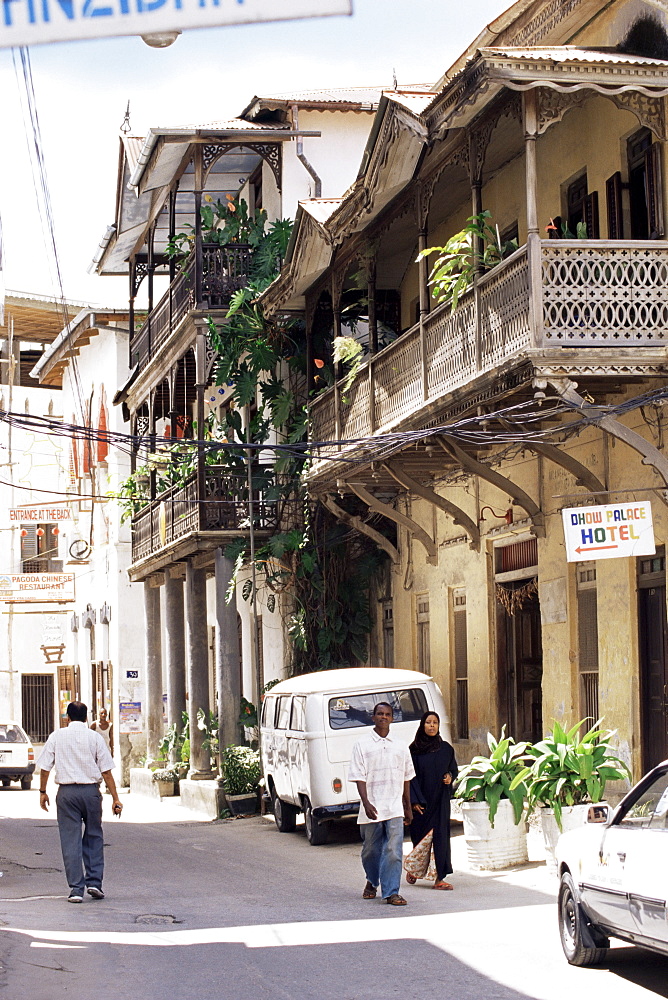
235 910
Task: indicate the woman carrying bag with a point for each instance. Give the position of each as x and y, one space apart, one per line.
431 791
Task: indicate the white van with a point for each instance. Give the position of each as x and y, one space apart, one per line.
309 725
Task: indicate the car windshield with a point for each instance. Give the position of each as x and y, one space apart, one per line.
12 734
351 711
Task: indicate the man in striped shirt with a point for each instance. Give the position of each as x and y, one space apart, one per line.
82 761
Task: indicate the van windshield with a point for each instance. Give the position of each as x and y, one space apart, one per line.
351 711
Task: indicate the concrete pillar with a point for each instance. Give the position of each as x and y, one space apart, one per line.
153 706
175 653
197 667
227 655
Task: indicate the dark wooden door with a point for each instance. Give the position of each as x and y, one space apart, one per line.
521 669
654 679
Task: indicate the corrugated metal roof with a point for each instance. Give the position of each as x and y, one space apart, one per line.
132 144
239 124
571 53
320 208
414 102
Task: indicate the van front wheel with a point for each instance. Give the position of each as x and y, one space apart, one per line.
316 832
285 814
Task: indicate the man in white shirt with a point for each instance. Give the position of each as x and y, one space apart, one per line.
82 761
382 769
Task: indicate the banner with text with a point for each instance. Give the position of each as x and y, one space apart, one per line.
610 531
33 22
31 587
39 515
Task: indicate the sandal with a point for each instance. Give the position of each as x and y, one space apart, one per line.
369 891
396 900
411 879
443 885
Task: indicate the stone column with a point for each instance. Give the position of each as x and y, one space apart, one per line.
153 705
175 654
227 655
197 667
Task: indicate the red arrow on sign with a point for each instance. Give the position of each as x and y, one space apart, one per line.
596 548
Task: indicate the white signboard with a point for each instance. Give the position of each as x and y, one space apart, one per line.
609 531
32 22
39 515
32 587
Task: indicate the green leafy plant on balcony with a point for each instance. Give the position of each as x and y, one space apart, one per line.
477 247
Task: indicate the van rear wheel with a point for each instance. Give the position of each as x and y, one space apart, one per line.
285 814
317 832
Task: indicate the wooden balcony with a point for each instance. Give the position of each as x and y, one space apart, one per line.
177 513
584 294
209 286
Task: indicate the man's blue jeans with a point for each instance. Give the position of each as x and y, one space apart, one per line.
382 854
79 813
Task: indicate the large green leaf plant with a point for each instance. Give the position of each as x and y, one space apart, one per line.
490 779
568 769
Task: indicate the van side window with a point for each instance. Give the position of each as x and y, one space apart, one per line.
297 719
268 712
283 713
355 710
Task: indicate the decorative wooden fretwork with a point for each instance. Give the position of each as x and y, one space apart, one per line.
553 105
604 295
138 274
544 23
269 151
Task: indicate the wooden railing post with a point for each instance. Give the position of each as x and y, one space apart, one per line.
423 281
530 117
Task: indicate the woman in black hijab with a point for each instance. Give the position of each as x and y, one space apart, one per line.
431 791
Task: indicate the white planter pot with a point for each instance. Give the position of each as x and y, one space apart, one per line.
572 817
490 848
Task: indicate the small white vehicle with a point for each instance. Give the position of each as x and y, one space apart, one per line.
309 725
17 757
614 874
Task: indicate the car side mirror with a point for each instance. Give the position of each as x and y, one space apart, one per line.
598 814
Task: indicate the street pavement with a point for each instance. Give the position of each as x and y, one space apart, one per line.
234 910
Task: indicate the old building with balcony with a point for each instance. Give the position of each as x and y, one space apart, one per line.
201 650
468 426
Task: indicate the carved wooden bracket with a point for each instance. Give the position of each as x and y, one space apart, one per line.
565 388
458 516
583 477
521 498
358 524
394 515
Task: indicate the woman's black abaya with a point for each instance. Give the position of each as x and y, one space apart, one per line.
428 790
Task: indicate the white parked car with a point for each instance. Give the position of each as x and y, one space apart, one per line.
614 874
309 725
17 757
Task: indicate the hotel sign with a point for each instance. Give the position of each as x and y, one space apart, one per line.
610 531
33 22
36 587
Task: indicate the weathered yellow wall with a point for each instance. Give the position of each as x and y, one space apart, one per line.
461 567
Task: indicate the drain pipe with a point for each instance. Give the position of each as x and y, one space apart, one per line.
300 153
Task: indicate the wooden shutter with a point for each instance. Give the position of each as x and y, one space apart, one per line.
591 216
613 197
654 192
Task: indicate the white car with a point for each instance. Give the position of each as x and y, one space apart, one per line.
614 874
17 757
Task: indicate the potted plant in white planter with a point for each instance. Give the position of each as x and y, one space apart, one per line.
241 772
568 772
493 805
167 779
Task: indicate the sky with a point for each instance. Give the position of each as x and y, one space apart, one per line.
82 89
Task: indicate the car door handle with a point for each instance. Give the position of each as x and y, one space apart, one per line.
621 855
